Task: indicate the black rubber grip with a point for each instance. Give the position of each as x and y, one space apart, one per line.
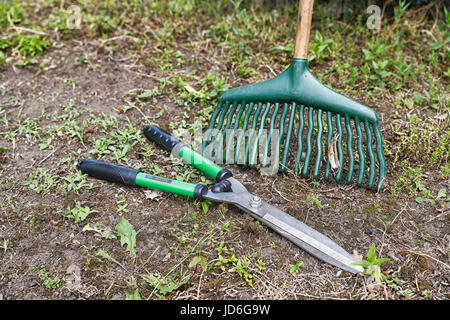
223 174
162 138
108 171
199 191
222 186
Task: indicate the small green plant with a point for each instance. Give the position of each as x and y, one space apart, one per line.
10 12
411 178
428 197
319 48
372 265
127 236
78 212
205 207
122 205
41 181
314 201
48 282
315 183
164 285
134 294
5 245
105 255
401 9
445 171
238 266
293 268
75 181
30 128
30 46
260 264
198 260
397 284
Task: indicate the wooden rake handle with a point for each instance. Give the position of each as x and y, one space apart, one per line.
305 9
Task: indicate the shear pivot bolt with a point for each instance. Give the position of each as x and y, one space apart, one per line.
255 202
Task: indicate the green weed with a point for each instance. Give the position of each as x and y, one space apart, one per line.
30 46
41 181
5 245
293 268
397 284
372 265
319 47
314 201
74 182
163 285
78 212
134 294
127 236
238 266
30 128
47 281
122 205
11 12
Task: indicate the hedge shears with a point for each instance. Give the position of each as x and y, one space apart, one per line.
226 190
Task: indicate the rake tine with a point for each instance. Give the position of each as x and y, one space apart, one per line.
362 158
350 154
241 135
329 137
318 144
339 147
381 164
301 127
305 170
288 136
258 136
219 125
230 137
211 125
215 114
370 154
252 133
227 125
282 120
269 135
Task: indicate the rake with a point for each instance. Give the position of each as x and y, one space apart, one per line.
297 106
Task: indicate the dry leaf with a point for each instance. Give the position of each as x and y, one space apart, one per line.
333 153
442 116
335 196
152 194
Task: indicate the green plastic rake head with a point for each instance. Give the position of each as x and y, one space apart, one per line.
317 115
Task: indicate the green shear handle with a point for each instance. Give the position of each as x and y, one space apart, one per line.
129 176
132 177
167 142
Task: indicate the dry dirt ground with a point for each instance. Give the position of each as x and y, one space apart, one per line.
86 95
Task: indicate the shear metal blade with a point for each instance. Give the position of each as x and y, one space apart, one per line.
287 226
